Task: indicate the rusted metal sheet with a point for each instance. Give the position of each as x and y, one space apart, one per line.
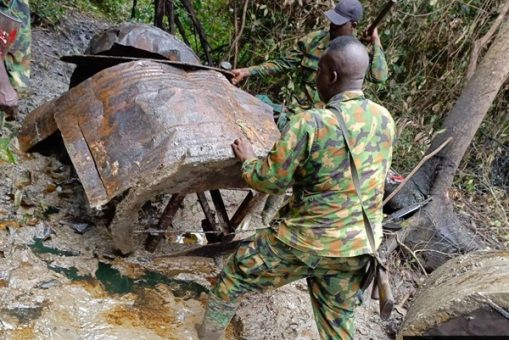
142 119
130 40
142 38
38 125
153 128
100 62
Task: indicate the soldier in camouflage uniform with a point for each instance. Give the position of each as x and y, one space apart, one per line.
321 235
305 55
16 65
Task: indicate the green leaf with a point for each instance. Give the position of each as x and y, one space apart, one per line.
6 154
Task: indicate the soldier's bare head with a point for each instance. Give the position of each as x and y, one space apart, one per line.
342 67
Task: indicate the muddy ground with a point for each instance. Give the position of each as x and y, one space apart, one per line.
60 277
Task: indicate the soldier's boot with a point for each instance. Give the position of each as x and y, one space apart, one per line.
217 317
208 331
272 205
8 96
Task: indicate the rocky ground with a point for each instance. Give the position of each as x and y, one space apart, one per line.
60 277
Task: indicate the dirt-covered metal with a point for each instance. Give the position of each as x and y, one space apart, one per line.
140 37
132 40
147 128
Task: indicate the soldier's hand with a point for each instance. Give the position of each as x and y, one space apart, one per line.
374 38
243 150
239 75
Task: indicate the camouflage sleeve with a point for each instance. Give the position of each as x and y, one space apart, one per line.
18 59
378 71
277 66
274 174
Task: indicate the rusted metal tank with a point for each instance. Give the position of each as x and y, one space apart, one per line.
132 40
149 128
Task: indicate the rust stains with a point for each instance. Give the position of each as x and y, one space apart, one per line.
149 310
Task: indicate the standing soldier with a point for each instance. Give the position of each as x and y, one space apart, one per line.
305 55
15 66
343 18
321 236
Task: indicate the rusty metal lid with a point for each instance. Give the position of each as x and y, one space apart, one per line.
130 40
134 41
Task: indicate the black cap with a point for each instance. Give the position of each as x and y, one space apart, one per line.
345 11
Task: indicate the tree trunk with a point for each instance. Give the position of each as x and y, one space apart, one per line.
438 228
199 28
158 13
133 9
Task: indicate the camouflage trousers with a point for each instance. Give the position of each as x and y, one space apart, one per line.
18 59
266 263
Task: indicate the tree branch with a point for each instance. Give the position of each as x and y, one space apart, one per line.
235 43
158 13
481 43
199 28
182 31
133 10
170 13
423 160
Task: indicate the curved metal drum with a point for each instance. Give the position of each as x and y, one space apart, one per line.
153 128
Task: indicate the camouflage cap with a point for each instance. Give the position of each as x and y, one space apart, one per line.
345 11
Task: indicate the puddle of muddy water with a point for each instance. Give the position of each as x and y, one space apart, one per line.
105 302
38 247
114 282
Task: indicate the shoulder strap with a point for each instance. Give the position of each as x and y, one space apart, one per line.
355 177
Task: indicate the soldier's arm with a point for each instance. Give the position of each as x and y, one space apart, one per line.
277 66
378 69
291 60
274 174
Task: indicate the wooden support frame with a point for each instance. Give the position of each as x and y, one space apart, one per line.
165 221
247 207
214 232
222 214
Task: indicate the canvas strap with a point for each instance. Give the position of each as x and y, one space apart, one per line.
356 182
355 178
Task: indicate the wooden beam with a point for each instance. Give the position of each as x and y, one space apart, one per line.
165 221
222 215
247 207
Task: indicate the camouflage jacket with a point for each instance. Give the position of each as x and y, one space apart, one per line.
18 59
324 214
306 54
